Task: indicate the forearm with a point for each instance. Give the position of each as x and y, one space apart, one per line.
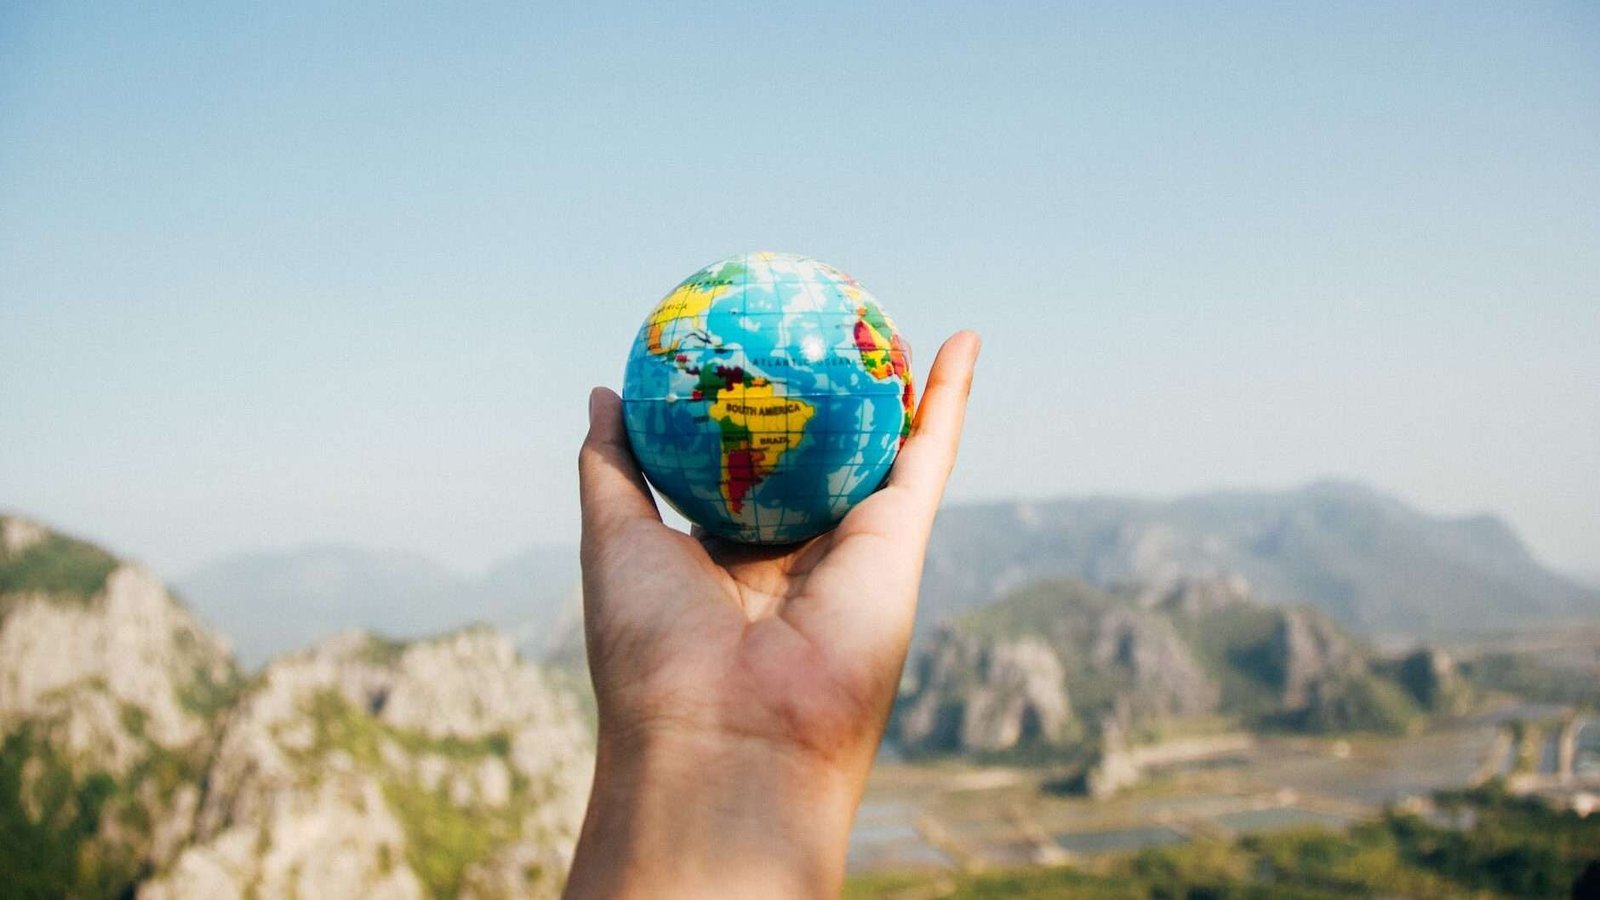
713 816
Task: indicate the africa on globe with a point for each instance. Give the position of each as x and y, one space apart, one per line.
766 395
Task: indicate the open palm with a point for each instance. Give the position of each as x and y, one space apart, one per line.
796 647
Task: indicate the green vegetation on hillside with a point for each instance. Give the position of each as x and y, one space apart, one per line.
1531 679
1509 847
1040 608
1235 644
66 832
442 838
48 824
57 565
1354 702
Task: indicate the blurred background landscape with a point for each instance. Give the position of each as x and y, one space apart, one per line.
1272 562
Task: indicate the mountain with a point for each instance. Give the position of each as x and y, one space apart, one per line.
110 699
535 598
137 761
360 768
1059 661
1366 559
1369 561
273 602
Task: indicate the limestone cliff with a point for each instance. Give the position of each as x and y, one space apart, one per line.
136 761
366 769
1309 651
1061 660
1034 668
1328 684
1161 676
988 696
109 694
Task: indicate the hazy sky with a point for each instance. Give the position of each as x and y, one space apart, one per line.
277 274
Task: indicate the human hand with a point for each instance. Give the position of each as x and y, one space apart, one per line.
743 690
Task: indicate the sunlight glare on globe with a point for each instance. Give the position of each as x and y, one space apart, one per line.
766 395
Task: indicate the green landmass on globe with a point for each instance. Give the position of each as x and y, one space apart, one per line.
766 395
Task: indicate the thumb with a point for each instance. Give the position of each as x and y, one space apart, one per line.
610 487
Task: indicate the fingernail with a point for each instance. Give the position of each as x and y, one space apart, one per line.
594 404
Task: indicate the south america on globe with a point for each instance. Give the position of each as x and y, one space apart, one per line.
766 395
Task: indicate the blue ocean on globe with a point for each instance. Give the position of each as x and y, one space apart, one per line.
766 395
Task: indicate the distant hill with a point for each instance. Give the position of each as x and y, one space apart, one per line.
1368 560
1058 661
268 603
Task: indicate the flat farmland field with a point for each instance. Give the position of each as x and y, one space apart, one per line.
961 817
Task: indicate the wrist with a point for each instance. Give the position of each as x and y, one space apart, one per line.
695 814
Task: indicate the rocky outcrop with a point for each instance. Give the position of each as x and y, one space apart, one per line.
109 694
135 760
1022 698
1136 663
1309 651
1028 671
18 534
986 697
1328 685
366 769
130 647
1430 676
1163 677
1114 767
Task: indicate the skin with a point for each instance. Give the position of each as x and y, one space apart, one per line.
743 690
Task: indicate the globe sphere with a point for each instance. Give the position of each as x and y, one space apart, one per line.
766 395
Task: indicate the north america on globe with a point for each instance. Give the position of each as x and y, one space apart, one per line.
766 395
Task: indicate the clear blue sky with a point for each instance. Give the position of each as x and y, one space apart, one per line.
275 273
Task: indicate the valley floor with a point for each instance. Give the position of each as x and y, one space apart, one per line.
957 817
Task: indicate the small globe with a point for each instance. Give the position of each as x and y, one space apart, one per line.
766 395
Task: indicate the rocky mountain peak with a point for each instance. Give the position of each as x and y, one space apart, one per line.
109 695
18 534
128 653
